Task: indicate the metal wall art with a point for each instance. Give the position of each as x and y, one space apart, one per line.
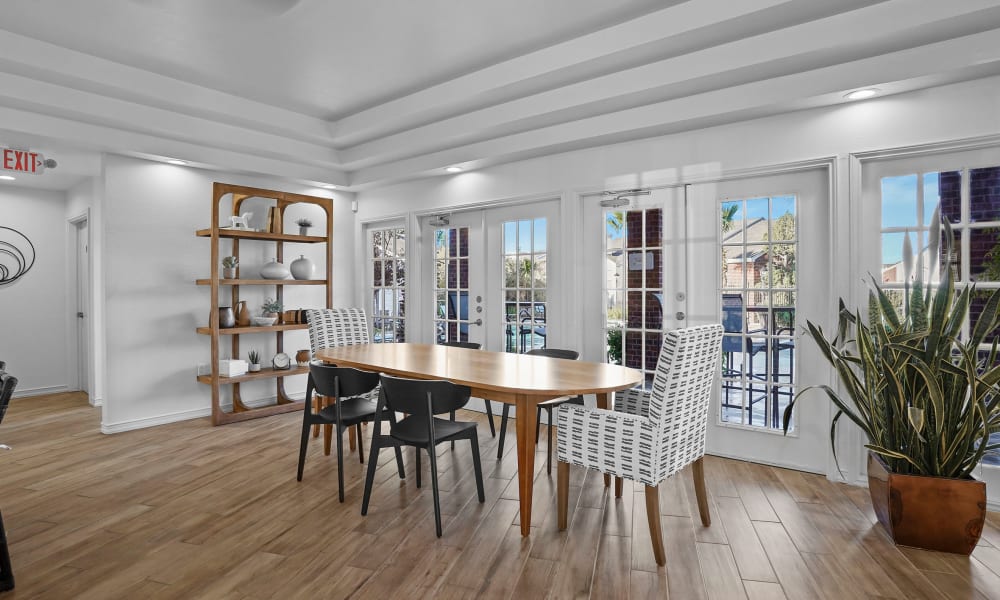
17 255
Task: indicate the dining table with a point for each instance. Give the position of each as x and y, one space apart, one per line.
516 379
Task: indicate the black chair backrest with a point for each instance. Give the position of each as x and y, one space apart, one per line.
352 382
7 384
469 345
410 395
555 353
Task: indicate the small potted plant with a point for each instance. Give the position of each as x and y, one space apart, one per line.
304 225
269 312
253 357
229 265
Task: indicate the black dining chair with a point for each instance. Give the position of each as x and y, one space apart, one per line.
350 407
7 384
548 405
489 407
420 400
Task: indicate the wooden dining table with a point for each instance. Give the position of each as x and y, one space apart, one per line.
517 379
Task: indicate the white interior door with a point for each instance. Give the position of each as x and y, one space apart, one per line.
759 264
82 304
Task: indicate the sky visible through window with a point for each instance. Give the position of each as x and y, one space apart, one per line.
899 209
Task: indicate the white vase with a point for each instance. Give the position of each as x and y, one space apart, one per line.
302 268
254 368
274 270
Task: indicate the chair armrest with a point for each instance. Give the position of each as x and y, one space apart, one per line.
633 401
614 443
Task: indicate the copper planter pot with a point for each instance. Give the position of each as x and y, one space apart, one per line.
934 513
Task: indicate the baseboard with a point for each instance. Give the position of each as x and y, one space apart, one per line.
41 391
97 402
145 422
783 465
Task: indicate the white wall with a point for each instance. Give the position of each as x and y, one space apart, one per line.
35 309
152 306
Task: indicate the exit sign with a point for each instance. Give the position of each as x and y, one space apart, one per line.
21 161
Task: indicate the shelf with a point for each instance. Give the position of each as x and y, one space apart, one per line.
263 282
261 235
240 330
264 373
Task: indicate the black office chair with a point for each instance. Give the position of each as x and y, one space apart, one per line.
489 406
347 388
420 400
548 405
7 385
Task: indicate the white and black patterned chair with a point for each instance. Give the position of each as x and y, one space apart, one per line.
651 434
332 328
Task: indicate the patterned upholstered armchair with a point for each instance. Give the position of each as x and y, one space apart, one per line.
332 328
651 434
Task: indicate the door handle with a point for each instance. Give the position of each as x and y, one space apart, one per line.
478 322
79 315
680 316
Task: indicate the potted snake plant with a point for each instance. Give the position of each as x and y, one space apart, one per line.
926 395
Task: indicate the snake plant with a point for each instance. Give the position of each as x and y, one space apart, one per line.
923 391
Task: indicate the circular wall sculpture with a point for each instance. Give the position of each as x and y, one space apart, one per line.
17 255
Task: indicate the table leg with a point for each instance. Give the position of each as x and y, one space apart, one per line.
602 402
525 424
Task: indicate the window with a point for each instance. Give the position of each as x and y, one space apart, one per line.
524 281
758 292
633 245
388 269
451 285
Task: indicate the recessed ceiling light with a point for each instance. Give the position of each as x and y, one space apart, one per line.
7 178
454 169
174 161
861 94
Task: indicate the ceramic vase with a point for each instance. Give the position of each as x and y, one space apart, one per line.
302 268
242 314
274 270
227 319
229 272
303 230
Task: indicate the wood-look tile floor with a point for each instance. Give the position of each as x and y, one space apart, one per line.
191 511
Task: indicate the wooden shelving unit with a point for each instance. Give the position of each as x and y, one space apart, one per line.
238 195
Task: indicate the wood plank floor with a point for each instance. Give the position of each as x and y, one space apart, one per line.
191 511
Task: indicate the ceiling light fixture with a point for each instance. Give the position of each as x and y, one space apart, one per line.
174 161
454 169
861 94
7 178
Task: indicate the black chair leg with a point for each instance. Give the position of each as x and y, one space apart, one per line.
503 429
432 456
489 416
361 445
477 466
453 420
548 447
399 463
6 572
302 448
340 461
370 477
538 422
416 461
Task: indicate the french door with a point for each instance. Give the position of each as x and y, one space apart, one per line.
491 278
749 253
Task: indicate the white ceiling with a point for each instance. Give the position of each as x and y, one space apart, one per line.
367 93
